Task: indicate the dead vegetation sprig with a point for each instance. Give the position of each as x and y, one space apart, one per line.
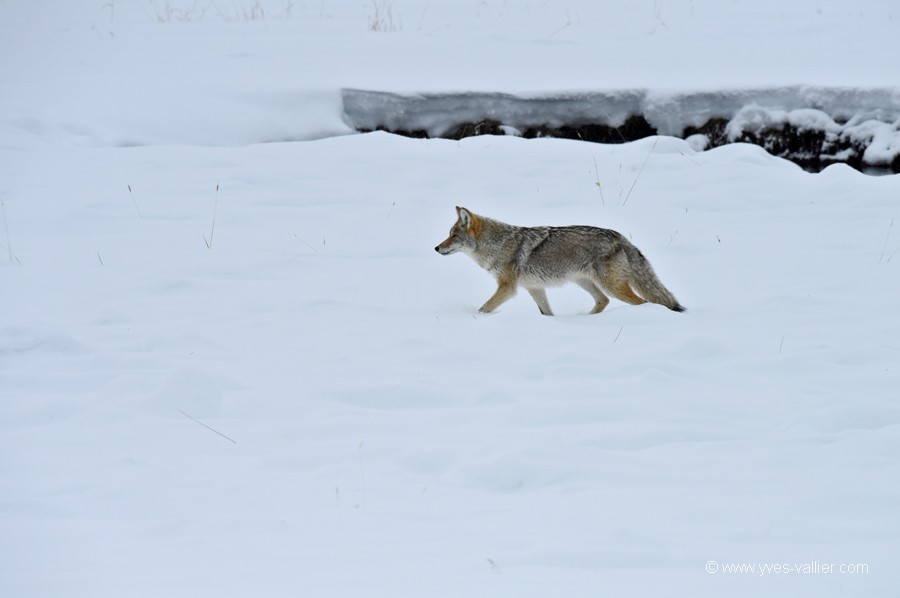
12 256
382 17
212 230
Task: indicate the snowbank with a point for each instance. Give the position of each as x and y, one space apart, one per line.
814 126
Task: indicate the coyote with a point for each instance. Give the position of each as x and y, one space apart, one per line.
538 257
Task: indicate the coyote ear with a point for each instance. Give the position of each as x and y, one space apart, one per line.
465 217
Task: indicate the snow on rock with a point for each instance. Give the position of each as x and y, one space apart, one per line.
801 123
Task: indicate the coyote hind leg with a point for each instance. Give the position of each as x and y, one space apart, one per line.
615 282
601 300
540 297
623 292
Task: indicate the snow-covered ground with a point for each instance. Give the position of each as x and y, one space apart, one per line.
231 363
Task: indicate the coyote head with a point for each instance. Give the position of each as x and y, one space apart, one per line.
462 235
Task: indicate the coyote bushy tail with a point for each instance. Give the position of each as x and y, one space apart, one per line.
643 279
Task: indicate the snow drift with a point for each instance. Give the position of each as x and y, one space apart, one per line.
813 126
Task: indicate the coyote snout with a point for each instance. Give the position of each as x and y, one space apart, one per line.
597 259
444 248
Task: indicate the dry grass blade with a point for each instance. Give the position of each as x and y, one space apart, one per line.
212 230
640 171
134 201
194 419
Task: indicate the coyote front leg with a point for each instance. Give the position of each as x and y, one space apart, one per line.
505 290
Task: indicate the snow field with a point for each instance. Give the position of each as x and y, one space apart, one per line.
382 438
280 389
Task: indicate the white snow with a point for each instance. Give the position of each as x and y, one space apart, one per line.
231 363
